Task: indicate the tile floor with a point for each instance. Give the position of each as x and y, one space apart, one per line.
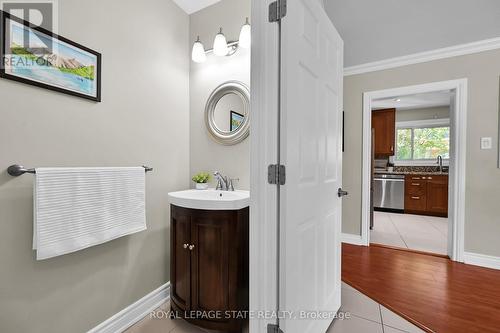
416 232
366 316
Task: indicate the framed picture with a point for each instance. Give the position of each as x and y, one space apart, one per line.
38 57
235 121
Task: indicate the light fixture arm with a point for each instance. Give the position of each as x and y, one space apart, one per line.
232 45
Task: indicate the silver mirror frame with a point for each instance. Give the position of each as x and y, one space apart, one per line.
235 137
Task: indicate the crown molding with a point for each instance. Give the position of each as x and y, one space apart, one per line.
448 52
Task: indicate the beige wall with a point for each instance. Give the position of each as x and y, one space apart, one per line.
206 154
441 112
144 118
482 225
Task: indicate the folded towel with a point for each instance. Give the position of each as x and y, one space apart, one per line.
76 208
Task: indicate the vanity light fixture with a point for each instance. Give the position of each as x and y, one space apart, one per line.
221 46
198 55
245 35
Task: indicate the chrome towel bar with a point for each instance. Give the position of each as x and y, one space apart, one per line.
17 170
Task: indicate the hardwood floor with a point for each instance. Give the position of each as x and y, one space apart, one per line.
434 293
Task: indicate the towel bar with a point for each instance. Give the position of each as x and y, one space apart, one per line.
17 170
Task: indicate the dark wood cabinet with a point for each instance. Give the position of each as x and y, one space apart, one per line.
384 129
209 266
426 194
180 268
437 195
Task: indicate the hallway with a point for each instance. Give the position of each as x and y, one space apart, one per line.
434 293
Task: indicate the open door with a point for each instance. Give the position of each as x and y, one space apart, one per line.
311 151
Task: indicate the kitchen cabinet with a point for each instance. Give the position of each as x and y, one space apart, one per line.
426 195
384 128
437 195
209 266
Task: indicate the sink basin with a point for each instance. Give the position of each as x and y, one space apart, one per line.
210 199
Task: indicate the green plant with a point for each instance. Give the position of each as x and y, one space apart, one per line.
201 178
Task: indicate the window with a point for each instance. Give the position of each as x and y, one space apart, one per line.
425 142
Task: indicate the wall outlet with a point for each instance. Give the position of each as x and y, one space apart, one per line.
486 143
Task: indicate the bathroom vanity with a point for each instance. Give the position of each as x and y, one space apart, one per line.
209 257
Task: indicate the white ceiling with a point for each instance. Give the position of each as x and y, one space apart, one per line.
418 101
384 29
191 6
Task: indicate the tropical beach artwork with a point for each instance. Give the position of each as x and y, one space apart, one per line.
35 56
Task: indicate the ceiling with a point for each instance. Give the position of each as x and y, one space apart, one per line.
383 29
417 101
191 6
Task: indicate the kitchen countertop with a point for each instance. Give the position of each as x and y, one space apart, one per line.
385 172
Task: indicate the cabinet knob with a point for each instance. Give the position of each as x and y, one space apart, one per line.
191 247
186 246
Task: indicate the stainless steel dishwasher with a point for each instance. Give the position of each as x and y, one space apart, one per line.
389 192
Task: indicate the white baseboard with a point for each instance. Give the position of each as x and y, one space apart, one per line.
482 260
134 312
352 239
448 52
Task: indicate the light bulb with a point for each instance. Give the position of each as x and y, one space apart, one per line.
220 44
198 55
245 35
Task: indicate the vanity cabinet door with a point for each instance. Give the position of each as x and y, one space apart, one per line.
210 261
180 258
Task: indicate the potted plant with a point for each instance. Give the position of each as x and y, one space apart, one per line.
201 179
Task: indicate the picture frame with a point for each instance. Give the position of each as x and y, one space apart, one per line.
38 57
235 121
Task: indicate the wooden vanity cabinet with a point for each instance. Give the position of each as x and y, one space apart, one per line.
426 195
384 128
209 266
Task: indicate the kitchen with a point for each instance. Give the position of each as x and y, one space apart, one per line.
410 167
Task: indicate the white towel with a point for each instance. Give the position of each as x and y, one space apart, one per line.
75 208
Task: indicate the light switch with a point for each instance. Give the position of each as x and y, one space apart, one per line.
486 143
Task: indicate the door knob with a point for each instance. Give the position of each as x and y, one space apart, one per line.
186 246
341 193
191 247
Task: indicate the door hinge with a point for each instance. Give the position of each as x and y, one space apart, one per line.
276 174
277 10
273 328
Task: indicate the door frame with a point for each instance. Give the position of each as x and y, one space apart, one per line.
458 123
265 71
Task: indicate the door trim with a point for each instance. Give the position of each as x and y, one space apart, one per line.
263 152
457 177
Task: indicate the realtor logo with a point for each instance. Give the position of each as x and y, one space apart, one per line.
40 13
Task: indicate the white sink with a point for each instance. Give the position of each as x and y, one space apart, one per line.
210 199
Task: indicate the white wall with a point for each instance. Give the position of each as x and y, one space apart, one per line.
441 112
143 119
206 154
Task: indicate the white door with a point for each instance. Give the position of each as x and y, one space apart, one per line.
311 150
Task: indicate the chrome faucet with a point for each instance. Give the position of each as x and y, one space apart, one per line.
222 182
440 163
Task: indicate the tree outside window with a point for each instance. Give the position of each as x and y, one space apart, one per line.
422 143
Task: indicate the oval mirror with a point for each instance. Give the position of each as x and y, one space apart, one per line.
227 113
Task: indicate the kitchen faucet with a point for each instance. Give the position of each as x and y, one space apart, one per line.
440 163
